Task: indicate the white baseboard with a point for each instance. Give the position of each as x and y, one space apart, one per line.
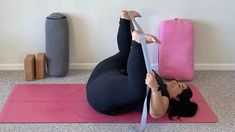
214 67
11 67
82 66
90 66
72 66
208 66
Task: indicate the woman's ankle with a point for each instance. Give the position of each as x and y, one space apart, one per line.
136 36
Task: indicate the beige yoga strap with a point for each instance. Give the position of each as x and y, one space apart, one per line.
149 69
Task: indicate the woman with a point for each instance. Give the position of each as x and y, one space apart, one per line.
118 84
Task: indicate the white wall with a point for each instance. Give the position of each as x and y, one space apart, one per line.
93 27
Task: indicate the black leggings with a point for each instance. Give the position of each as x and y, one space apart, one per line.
109 89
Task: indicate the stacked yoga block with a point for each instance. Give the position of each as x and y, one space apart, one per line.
176 51
34 67
29 67
40 66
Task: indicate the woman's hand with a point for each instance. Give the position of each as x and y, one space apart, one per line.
151 81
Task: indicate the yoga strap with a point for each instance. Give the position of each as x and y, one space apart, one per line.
148 67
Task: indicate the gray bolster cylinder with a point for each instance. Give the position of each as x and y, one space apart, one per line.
57 45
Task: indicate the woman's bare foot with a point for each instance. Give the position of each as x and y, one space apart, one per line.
149 38
124 14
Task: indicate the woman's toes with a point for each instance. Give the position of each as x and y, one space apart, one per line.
125 14
151 39
134 14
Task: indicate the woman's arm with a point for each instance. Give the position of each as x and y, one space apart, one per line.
158 103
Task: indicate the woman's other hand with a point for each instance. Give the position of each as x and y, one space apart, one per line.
151 81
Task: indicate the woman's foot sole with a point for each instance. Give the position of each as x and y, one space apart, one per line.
149 38
124 14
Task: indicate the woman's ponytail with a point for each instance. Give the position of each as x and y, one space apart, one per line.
182 106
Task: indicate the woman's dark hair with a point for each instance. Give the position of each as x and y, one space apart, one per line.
182 106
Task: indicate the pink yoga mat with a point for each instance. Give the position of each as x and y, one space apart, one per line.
68 103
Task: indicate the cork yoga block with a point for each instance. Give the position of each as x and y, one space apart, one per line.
40 66
29 67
